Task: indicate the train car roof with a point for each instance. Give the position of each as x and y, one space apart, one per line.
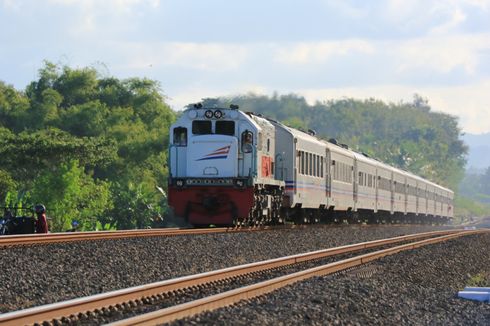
339 149
366 159
298 134
259 119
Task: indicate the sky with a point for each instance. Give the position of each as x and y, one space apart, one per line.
319 49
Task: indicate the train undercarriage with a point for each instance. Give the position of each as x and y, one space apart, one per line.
322 215
266 209
225 206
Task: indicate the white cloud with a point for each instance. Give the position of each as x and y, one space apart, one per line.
471 103
11 4
431 17
442 54
208 57
196 93
400 10
113 5
482 4
436 53
343 7
456 18
91 15
320 52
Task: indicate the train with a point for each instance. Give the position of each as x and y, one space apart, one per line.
230 167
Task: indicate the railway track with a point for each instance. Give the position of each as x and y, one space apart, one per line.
35 239
38 239
176 290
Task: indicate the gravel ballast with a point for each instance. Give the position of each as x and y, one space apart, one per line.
190 294
36 275
410 288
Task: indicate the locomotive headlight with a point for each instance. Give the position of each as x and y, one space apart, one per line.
239 183
179 183
233 114
218 114
208 114
192 114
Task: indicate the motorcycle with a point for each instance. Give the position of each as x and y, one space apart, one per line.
12 224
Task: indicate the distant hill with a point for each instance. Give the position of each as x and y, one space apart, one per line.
479 151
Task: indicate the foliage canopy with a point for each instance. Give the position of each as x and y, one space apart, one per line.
94 148
78 142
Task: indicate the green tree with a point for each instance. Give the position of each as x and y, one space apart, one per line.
70 194
134 207
117 131
7 184
14 106
26 155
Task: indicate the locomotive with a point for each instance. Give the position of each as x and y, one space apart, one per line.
229 167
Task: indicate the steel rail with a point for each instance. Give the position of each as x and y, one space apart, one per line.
98 301
224 299
33 239
29 239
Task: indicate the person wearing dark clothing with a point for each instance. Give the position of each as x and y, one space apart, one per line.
42 222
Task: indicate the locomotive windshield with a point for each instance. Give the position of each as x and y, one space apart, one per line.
204 127
201 127
225 127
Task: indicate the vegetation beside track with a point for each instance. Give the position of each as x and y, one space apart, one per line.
93 148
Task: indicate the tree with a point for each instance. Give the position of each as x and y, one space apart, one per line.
26 155
134 207
14 106
70 194
116 130
7 183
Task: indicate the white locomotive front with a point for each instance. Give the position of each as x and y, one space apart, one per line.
221 167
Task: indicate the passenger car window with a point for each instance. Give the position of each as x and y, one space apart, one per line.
310 164
321 166
302 162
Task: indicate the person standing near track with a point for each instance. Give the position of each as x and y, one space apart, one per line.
42 221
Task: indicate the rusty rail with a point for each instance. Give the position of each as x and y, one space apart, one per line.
75 306
33 239
29 239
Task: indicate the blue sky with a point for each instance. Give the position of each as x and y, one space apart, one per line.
321 49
